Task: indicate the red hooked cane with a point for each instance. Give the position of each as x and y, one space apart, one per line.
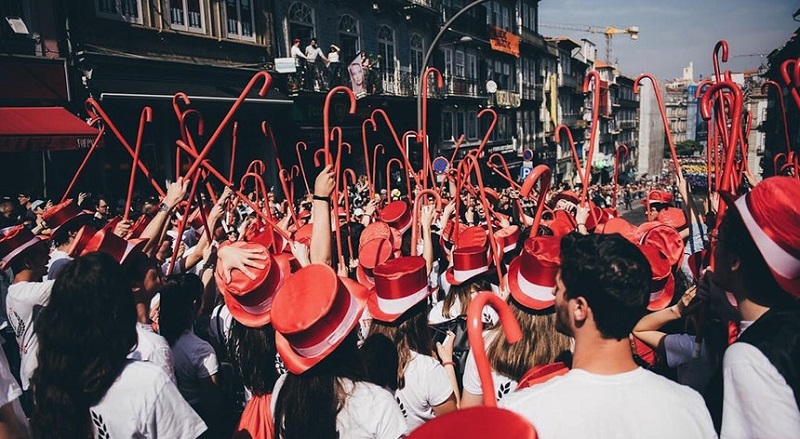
182 224
664 119
511 330
285 177
94 146
186 149
775 165
267 130
145 116
300 162
621 147
95 111
326 117
422 136
256 166
596 124
397 140
486 136
370 178
234 141
541 174
575 158
250 85
375 167
498 255
179 114
389 177
427 170
346 191
779 94
505 174
187 138
415 217
788 80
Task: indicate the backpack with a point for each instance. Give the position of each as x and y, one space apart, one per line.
460 346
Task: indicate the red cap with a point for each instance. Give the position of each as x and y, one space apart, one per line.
468 262
312 313
399 285
619 225
770 212
13 242
672 216
662 285
666 239
562 223
657 196
532 274
378 229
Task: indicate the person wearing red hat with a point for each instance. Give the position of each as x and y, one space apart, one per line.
532 278
64 219
757 259
26 256
85 386
602 290
656 201
315 314
423 386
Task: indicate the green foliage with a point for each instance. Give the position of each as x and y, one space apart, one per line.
687 148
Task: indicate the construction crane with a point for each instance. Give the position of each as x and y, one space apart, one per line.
608 31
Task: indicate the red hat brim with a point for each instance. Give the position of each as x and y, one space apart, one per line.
516 289
250 319
666 296
364 278
476 422
298 364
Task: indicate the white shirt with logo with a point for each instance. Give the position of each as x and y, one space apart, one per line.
24 304
426 385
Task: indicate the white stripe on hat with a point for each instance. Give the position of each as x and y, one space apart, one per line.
657 294
393 306
335 336
778 259
260 308
463 275
538 292
11 255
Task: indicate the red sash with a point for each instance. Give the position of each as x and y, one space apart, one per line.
256 420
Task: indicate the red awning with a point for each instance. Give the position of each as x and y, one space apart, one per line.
43 129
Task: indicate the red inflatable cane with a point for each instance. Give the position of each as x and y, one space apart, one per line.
145 116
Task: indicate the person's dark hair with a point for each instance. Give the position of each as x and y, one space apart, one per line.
612 275
464 294
410 332
252 351
307 404
85 335
135 268
180 299
380 360
757 279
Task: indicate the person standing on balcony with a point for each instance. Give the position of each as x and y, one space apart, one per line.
315 58
334 67
300 61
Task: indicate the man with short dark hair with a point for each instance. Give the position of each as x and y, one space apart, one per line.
757 257
602 290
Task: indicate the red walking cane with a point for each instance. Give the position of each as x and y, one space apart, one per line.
94 146
415 217
326 117
145 116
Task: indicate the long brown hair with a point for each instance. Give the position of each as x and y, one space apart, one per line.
464 294
409 333
540 344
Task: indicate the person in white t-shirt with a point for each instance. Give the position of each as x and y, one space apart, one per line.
85 386
13 422
601 292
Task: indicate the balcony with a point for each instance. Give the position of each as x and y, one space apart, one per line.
628 103
458 86
399 83
569 81
627 124
530 37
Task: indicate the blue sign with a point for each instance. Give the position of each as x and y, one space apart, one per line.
524 171
440 165
527 155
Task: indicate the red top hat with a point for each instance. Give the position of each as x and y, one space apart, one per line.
139 226
561 224
13 242
507 238
770 213
250 301
106 242
662 285
63 214
666 239
378 229
260 233
474 236
657 196
672 216
82 238
476 422
398 215
468 262
570 196
597 216
303 234
619 225
312 313
371 254
399 285
532 274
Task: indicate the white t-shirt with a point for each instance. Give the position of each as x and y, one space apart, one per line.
427 385
144 403
10 391
24 303
757 401
58 260
194 360
369 411
153 348
503 385
436 314
220 320
692 372
636 404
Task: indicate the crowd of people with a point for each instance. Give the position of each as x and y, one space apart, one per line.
344 313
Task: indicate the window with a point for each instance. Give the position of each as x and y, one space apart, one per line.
448 61
125 10
386 47
186 15
459 64
506 18
472 125
472 66
460 126
301 22
447 125
348 37
417 53
239 19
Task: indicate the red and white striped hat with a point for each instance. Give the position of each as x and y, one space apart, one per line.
13 242
467 263
507 238
399 285
662 284
532 274
370 255
770 213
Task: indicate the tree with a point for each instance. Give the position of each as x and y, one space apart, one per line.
685 148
